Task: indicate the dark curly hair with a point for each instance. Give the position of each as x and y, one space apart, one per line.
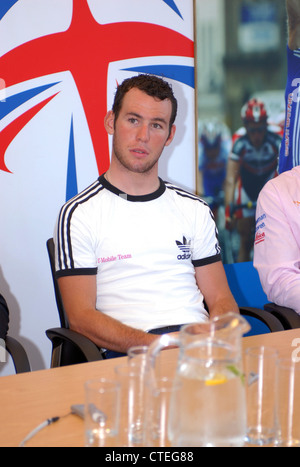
151 85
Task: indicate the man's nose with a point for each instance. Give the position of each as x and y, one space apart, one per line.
143 133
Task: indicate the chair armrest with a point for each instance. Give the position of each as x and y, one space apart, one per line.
289 318
273 323
18 354
90 351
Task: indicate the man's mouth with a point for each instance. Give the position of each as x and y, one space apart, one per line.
141 152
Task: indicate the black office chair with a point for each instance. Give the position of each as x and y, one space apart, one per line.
68 347
287 316
18 355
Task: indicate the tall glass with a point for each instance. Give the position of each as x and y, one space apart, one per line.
260 366
288 403
102 402
132 384
159 395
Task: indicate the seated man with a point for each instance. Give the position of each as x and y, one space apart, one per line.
136 255
277 240
4 317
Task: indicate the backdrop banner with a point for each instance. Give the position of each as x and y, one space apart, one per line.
60 63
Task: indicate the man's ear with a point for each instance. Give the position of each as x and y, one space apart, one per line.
171 135
109 122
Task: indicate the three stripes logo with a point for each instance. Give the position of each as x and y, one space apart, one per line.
185 248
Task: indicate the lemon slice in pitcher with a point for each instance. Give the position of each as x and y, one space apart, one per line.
217 379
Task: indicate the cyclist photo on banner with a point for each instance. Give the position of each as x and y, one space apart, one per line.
214 148
252 162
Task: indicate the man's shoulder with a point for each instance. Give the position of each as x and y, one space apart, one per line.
184 197
84 196
240 144
283 183
181 192
289 177
273 137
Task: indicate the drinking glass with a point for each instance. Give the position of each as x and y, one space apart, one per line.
102 402
260 366
132 385
288 403
160 413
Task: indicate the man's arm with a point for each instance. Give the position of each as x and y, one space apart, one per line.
79 298
293 13
211 280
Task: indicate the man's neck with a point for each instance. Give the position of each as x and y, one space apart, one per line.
134 184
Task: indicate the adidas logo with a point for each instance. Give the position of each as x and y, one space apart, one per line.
185 248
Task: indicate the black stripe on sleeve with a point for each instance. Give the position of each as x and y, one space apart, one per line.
76 272
205 261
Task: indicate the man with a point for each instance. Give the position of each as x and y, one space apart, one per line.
253 161
4 317
277 240
133 253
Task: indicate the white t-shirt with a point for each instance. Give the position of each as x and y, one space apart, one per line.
143 250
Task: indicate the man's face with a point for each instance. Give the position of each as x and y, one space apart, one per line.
141 131
256 133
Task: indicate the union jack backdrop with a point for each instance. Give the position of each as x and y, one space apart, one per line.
60 63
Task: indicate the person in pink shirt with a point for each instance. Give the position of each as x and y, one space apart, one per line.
277 239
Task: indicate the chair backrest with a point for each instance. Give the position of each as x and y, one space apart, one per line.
60 306
68 353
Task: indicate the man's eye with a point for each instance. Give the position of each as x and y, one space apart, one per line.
132 120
